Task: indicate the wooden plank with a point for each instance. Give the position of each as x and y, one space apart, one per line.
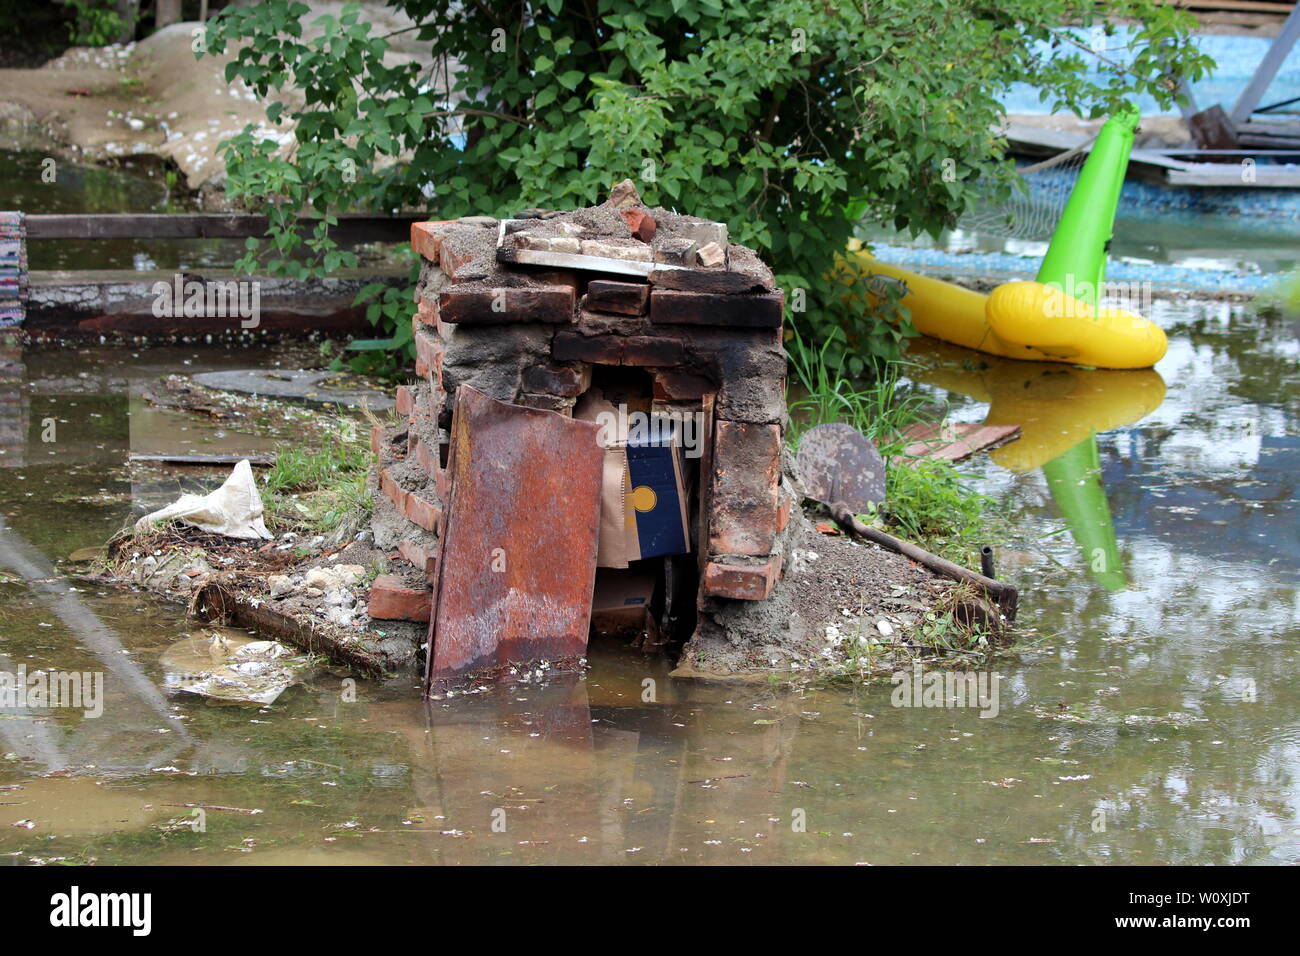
1236 6
951 442
199 461
1217 174
350 228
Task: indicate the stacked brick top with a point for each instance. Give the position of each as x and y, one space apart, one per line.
524 309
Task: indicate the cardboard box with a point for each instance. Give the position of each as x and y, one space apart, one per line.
621 603
643 506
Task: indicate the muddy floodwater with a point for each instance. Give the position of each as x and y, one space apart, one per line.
1153 718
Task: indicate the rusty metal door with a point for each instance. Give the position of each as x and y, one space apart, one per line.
518 549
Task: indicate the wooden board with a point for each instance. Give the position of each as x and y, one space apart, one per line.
952 442
140 225
517 543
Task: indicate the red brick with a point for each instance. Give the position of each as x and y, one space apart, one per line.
429 350
649 350
426 456
424 558
426 238
376 439
746 476
405 400
395 492
421 512
641 223
673 307
640 350
750 581
391 601
784 511
602 349
681 387
426 314
553 378
623 298
539 303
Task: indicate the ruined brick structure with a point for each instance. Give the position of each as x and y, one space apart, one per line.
527 311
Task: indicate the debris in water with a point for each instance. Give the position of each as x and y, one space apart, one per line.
232 668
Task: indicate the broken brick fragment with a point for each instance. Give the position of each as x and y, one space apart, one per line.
671 385
622 298
641 223
556 378
742 580
405 400
390 600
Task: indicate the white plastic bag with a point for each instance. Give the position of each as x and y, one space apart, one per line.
233 510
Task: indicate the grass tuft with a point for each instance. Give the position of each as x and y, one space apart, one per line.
927 502
314 488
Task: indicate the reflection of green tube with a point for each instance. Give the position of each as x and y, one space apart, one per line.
1074 479
1075 262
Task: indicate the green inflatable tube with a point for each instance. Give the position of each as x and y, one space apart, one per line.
1076 263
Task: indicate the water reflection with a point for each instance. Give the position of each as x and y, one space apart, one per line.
1060 410
1193 499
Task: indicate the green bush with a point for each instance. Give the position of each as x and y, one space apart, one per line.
788 120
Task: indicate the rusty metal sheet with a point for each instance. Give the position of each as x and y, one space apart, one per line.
836 463
518 552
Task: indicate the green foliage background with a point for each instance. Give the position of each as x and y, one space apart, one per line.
790 120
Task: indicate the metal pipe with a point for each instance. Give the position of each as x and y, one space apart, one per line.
1004 595
986 562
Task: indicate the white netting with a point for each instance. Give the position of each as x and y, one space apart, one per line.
1033 213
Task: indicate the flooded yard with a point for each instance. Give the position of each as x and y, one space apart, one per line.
1152 716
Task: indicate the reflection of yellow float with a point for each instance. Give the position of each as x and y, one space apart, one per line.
1060 411
1056 406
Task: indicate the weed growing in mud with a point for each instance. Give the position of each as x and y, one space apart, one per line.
927 500
316 488
879 409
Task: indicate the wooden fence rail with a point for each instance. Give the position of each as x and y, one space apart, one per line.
351 229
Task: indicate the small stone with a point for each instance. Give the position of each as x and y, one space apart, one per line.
885 628
330 579
624 195
676 251
637 252
711 255
280 584
339 598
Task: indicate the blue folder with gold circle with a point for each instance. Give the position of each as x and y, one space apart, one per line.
656 499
